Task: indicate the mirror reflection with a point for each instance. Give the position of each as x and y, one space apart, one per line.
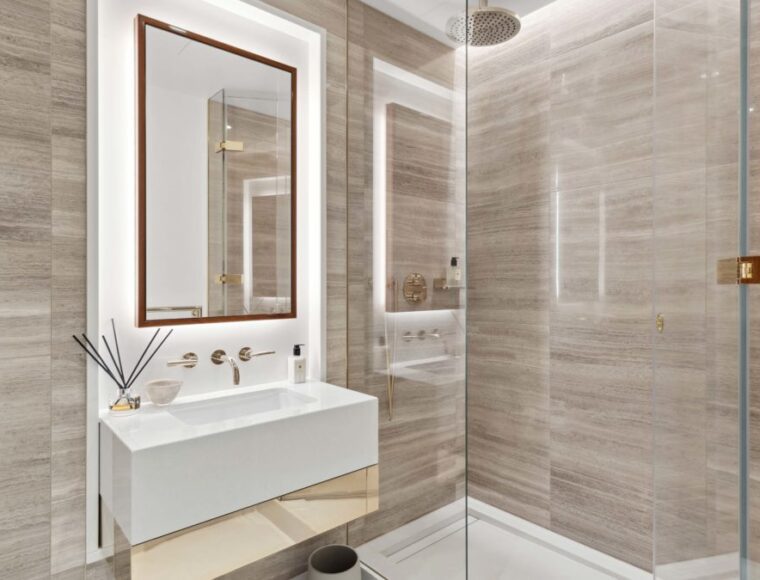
219 174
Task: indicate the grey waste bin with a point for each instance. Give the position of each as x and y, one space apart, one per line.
334 562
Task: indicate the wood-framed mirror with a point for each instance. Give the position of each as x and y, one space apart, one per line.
216 180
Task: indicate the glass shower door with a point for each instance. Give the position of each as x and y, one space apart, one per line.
701 377
406 211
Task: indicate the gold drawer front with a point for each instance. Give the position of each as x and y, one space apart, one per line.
246 536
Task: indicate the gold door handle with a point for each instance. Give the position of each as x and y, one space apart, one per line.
659 322
230 146
229 279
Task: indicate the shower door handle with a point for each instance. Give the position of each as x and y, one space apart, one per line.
742 270
230 279
230 146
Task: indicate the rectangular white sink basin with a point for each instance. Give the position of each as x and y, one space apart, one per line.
164 469
238 406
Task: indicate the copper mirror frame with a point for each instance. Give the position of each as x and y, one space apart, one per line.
142 22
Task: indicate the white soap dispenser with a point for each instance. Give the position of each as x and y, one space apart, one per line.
297 366
454 274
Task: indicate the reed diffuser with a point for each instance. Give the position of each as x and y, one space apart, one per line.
125 404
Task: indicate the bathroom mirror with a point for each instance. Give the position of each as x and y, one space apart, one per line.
216 180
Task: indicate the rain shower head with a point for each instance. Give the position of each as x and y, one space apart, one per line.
483 26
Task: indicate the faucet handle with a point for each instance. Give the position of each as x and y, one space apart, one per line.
218 357
189 360
246 353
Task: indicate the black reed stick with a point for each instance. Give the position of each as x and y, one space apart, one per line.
150 358
100 358
116 344
95 358
113 360
117 373
129 380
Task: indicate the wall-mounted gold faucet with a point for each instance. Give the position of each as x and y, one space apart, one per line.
219 357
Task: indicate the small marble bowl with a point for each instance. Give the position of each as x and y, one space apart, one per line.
163 391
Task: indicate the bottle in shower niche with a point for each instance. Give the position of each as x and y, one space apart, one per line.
297 366
454 274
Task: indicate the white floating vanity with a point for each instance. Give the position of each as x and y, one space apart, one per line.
165 469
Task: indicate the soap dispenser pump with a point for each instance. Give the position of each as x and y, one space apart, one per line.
297 366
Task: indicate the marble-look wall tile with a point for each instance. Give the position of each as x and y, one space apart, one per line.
560 245
100 570
25 288
25 468
337 208
42 287
421 211
509 202
508 419
328 14
69 276
600 369
582 22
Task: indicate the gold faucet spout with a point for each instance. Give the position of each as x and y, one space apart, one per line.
219 357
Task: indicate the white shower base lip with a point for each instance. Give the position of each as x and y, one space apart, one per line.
721 567
501 547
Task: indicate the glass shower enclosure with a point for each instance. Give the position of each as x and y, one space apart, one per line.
594 178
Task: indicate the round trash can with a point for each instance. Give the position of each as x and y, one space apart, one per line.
334 562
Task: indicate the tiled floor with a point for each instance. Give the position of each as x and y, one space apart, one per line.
501 547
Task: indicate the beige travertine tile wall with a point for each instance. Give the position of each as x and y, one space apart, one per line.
69 224
581 222
422 213
559 382
42 288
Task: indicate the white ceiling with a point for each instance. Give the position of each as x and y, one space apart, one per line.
431 16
